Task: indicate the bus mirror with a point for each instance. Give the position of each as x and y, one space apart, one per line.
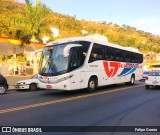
68 47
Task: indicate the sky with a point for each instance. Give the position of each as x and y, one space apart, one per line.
142 14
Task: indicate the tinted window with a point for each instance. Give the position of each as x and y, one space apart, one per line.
97 53
145 72
140 57
100 52
127 56
154 74
85 47
109 54
77 58
119 55
137 58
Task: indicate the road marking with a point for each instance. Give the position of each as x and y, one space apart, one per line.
64 100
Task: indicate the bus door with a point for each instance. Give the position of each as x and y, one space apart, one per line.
76 61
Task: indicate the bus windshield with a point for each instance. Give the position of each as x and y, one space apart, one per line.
53 62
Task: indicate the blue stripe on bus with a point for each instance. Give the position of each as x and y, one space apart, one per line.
131 71
125 70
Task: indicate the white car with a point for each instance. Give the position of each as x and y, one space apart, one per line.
32 84
145 74
153 79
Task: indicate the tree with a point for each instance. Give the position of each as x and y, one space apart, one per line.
9 9
34 24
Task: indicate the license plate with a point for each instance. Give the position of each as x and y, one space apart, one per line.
48 86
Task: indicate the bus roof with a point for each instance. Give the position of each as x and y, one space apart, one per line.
95 40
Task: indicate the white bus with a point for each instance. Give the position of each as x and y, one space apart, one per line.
86 62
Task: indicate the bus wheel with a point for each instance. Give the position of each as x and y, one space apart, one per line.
92 84
132 81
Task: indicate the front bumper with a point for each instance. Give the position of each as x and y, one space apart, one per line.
58 86
26 86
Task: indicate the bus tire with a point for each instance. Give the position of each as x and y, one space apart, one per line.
132 80
33 87
92 84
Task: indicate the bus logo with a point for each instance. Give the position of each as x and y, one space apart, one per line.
111 68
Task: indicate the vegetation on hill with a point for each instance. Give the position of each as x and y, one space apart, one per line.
68 26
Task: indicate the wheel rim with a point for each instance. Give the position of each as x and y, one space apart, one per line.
2 90
92 84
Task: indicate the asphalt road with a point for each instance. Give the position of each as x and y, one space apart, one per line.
116 105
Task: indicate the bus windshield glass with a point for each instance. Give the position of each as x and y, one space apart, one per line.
53 62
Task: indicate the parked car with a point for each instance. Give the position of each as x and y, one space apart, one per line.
3 84
32 84
153 79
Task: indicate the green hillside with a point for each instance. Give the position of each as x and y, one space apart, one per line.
69 26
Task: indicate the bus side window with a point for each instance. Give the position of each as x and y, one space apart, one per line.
127 57
76 60
109 55
119 55
85 47
140 58
136 58
132 57
97 53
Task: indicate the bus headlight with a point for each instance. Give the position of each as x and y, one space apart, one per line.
64 78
